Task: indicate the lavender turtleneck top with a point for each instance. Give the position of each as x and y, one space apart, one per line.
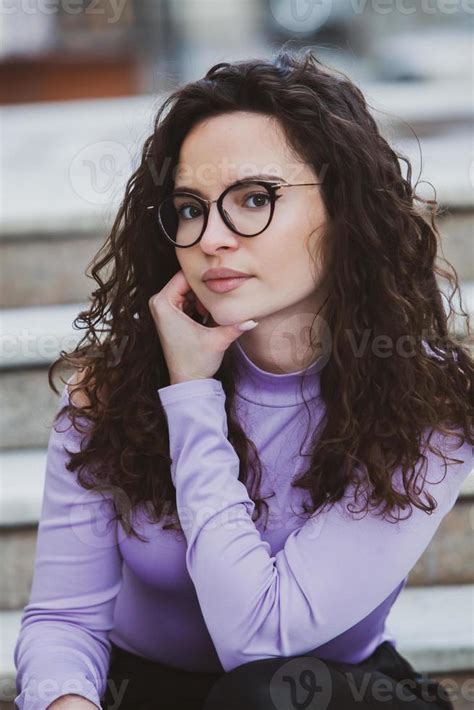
229 590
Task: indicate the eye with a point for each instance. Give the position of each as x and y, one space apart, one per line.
197 211
259 196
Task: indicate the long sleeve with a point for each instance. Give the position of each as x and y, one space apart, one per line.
63 643
332 571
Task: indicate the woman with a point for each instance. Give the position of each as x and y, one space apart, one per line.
321 378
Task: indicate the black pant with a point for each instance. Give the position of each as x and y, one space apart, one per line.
384 680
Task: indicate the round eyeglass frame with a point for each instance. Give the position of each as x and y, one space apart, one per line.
272 187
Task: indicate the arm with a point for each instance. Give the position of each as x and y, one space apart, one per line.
322 582
63 646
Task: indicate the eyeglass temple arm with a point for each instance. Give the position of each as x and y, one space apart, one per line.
297 184
273 184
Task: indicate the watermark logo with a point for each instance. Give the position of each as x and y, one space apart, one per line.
91 516
291 342
98 172
303 16
303 683
308 16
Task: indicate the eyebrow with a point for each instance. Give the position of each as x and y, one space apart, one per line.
260 176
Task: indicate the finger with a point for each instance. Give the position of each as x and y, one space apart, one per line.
176 288
229 333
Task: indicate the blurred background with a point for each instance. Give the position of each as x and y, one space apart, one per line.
80 82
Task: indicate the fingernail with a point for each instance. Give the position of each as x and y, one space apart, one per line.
248 325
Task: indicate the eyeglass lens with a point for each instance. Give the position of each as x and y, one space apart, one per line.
247 208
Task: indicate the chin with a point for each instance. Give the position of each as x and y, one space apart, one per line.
228 320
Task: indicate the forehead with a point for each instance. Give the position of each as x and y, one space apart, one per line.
232 146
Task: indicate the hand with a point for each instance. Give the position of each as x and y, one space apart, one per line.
192 351
72 702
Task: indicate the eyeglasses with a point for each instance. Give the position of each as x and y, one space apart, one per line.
183 216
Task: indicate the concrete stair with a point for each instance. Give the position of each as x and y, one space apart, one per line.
61 279
31 337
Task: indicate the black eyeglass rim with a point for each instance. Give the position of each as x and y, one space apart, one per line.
271 185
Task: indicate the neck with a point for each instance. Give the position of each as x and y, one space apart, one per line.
286 343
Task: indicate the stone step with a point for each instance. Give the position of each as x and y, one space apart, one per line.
433 628
418 104
62 279
447 560
28 406
456 228
48 279
22 473
32 337
91 147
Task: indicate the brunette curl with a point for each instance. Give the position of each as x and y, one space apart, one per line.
380 254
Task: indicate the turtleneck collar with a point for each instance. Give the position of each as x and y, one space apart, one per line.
271 389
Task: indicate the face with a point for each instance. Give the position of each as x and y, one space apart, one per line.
284 284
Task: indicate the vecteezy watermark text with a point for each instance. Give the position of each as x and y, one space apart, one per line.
112 9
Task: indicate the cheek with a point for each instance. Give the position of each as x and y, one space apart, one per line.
288 272
284 255
187 264
183 259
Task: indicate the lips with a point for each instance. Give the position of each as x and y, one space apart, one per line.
223 274
223 285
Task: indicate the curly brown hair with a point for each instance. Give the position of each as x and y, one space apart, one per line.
379 255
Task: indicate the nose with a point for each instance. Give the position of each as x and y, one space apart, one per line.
217 234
